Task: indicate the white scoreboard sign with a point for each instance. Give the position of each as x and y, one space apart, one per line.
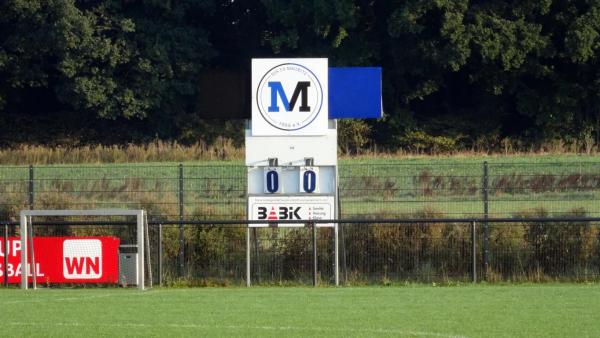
275 208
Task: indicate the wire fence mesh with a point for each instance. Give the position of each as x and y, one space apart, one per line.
372 253
366 190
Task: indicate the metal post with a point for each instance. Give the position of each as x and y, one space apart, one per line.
256 254
148 255
160 255
336 255
474 252
181 234
342 235
32 255
5 244
314 247
485 191
31 188
335 231
140 249
247 256
24 269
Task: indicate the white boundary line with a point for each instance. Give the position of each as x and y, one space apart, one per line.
242 327
65 299
69 299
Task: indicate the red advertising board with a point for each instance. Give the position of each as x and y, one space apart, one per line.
65 259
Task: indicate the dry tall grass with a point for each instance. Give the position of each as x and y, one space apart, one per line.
226 149
158 151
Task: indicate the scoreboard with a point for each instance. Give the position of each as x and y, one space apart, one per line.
291 141
291 144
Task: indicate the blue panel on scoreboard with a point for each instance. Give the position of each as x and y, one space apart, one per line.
355 92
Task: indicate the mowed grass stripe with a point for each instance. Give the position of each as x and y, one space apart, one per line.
280 329
415 311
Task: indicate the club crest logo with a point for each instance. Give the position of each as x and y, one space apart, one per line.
289 97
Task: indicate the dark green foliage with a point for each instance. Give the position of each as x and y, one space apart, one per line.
420 142
353 135
67 65
518 68
456 74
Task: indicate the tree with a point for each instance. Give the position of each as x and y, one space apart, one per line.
466 70
102 59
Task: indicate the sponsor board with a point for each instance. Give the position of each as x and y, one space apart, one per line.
65 260
277 208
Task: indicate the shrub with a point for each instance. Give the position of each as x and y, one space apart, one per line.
353 135
420 142
402 250
508 250
559 248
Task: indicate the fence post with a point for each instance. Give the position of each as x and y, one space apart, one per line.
474 252
31 187
30 235
314 249
5 245
181 234
248 265
342 236
485 191
256 254
160 255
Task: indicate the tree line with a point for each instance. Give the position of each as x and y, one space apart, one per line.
456 73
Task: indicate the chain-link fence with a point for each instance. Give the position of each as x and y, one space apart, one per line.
369 252
469 190
416 252
430 251
366 190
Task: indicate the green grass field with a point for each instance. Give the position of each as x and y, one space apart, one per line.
551 310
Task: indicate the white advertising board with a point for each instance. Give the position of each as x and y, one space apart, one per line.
289 97
274 208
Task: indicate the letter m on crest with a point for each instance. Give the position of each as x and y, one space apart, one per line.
277 90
